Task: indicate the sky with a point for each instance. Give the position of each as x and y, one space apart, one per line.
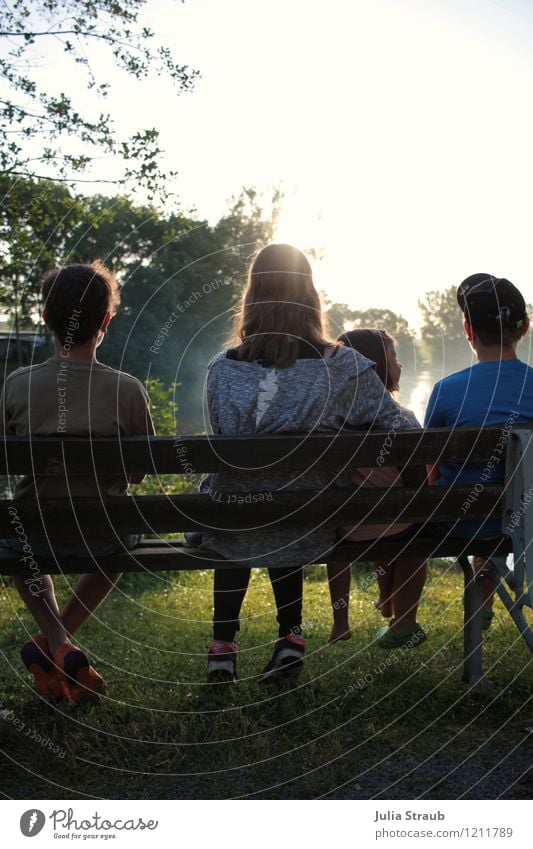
400 131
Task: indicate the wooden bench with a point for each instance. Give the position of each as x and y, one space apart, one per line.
94 519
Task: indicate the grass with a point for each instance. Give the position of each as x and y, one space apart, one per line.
371 723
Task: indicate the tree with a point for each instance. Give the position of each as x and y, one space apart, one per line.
180 277
36 224
164 412
35 124
442 330
341 317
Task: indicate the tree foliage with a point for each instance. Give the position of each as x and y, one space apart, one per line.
164 412
342 317
180 277
45 132
442 331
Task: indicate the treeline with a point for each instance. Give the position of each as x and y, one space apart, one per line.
180 279
179 276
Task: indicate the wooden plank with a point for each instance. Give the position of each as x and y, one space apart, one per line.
193 455
101 518
153 556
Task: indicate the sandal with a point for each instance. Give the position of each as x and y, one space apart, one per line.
81 680
409 638
37 659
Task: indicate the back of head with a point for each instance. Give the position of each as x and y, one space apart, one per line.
78 295
494 308
373 345
280 308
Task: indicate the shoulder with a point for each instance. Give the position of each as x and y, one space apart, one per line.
408 417
451 381
24 373
125 381
525 369
218 359
350 361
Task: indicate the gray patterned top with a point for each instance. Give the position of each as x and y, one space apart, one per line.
319 395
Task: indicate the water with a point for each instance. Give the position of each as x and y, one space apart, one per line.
415 390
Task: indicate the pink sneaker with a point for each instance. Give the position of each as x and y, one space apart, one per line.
222 663
287 658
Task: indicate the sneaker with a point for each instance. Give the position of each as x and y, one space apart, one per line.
36 657
408 638
222 663
287 658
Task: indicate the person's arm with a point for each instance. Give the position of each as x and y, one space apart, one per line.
212 397
366 401
143 425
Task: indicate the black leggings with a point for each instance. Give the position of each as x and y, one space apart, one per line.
230 589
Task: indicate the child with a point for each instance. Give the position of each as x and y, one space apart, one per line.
498 389
400 583
72 394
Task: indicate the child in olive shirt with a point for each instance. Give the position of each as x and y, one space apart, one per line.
75 395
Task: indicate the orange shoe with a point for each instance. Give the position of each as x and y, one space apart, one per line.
37 659
80 679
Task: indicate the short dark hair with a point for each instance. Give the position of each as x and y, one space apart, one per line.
507 336
494 308
77 298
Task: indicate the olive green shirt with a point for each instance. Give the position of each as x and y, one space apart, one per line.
62 397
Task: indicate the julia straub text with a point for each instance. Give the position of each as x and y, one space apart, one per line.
408 815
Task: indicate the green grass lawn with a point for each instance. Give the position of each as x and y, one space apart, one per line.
360 723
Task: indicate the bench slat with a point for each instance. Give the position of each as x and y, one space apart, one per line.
198 454
157 556
165 514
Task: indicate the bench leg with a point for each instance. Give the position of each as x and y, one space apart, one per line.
472 631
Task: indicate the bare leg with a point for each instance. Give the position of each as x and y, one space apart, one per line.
408 579
383 572
339 578
42 604
87 595
487 590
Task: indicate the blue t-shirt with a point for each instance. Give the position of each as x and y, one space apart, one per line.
490 393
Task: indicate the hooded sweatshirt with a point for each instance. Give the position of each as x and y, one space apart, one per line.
320 395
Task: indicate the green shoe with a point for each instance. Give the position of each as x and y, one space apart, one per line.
409 638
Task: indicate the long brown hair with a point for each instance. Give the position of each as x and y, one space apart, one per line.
280 308
373 344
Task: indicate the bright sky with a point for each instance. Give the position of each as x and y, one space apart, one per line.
400 130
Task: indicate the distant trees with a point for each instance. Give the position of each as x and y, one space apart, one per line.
340 316
442 333
180 277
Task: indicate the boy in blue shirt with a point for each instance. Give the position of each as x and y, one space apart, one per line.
497 390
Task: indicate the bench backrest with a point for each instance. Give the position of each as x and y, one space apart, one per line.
191 456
